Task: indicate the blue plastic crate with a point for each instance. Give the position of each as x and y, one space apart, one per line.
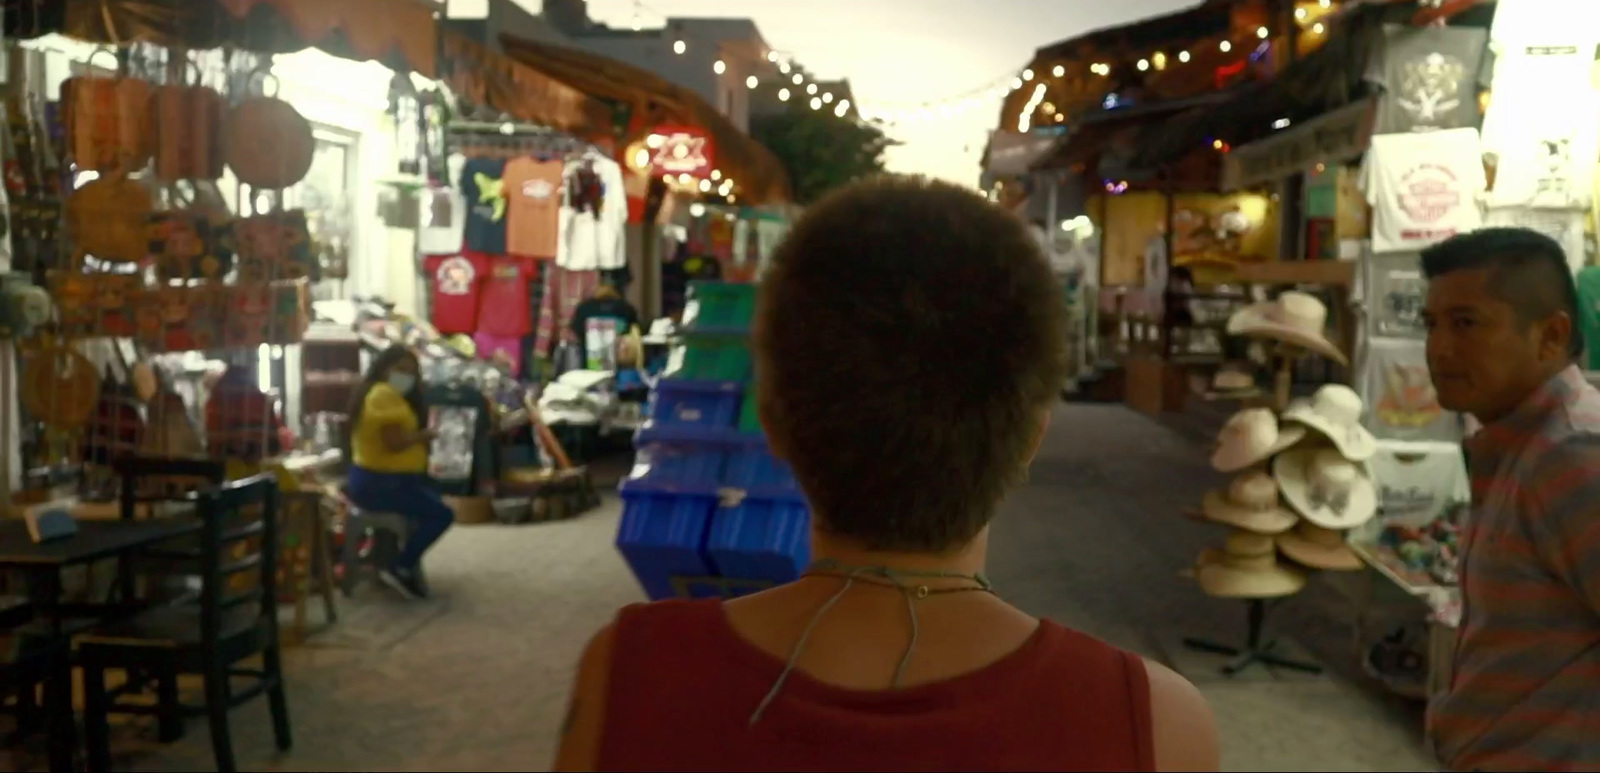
707 404
762 475
690 467
663 536
761 539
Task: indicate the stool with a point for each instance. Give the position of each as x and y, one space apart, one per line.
389 531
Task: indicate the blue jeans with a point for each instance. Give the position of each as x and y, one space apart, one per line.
410 494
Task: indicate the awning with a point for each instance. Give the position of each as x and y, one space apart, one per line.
1116 129
398 33
756 171
483 77
1332 138
1012 154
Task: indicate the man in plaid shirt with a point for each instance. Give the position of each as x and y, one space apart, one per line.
1502 345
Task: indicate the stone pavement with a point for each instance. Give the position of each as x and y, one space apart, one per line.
476 680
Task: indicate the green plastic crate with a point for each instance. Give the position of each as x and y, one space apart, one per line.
715 360
749 418
719 307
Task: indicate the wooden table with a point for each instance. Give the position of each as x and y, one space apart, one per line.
42 564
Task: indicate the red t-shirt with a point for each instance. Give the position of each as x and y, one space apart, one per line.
456 280
505 297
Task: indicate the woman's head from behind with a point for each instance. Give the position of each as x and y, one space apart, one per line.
909 346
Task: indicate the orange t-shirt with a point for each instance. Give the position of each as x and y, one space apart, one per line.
533 196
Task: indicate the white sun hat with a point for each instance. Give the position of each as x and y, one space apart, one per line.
1335 411
1294 318
1326 488
1247 568
1312 546
1251 437
1250 503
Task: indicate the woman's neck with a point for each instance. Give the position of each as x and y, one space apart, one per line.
966 560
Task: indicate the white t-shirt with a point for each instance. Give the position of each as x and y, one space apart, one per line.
1546 147
444 215
1545 22
1401 403
1565 226
1417 482
1423 188
588 240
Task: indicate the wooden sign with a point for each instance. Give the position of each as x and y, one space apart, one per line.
1331 138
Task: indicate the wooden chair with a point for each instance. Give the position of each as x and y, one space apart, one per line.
239 540
150 481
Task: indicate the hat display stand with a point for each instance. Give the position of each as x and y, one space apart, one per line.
1261 595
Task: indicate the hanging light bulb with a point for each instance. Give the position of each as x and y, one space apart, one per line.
1144 64
1226 46
799 79
1262 32
1016 83
844 104
752 81
772 56
1183 56
827 99
783 67
1027 75
783 95
1159 60
705 186
1300 13
811 88
1318 28
678 47
1058 71
815 103
720 67
716 174
840 110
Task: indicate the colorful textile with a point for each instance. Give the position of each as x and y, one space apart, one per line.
564 289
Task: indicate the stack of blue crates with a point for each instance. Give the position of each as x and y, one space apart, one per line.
707 510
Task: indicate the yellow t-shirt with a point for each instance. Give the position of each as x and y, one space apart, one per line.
385 406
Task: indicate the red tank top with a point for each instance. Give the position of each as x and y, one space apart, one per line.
683 685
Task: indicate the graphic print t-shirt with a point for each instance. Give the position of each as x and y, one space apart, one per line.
1423 188
1395 293
483 188
1401 401
1545 148
1430 78
1418 482
533 196
505 297
455 282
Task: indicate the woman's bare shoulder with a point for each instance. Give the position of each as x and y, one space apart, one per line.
1183 729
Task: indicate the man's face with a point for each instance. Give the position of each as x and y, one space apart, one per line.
1483 359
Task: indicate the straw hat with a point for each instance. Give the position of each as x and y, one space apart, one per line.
1294 318
1312 546
1247 568
1335 411
1232 382
1328 489
1250 503
1250 437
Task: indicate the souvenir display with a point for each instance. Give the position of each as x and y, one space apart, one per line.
1250 503
1250 437
1292 318
189 119
1423 188
1418 482
109 219
1402 404
1334 412
1326 488
1315 547
269 144
1247 567
108 120
1430 77
1395 294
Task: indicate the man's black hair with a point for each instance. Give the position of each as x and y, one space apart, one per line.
1530 272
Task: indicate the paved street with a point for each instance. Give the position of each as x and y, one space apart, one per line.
476 679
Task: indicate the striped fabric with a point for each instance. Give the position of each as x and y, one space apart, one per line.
1525 694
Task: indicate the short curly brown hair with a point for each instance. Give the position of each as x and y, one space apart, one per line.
909 344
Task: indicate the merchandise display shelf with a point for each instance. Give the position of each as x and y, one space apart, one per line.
708 510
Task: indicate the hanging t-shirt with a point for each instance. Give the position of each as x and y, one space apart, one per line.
1541 22
1423 188
1430 78
454 282
1418 482
593 222
1589 313
533 196
505 297
1401 402
1565 226
483 188
1545 148
443 214
1394 293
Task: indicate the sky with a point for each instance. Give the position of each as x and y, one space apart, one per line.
900 53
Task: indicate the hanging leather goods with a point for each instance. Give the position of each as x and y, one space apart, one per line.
109 219
108 120
269 144
188 128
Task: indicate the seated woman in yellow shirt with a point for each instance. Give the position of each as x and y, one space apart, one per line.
389 461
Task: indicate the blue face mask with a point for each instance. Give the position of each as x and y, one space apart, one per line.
402 382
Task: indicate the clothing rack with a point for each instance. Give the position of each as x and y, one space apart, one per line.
488 137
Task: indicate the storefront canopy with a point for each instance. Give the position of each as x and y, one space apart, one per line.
483 77
400 34
756 171
1118 130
